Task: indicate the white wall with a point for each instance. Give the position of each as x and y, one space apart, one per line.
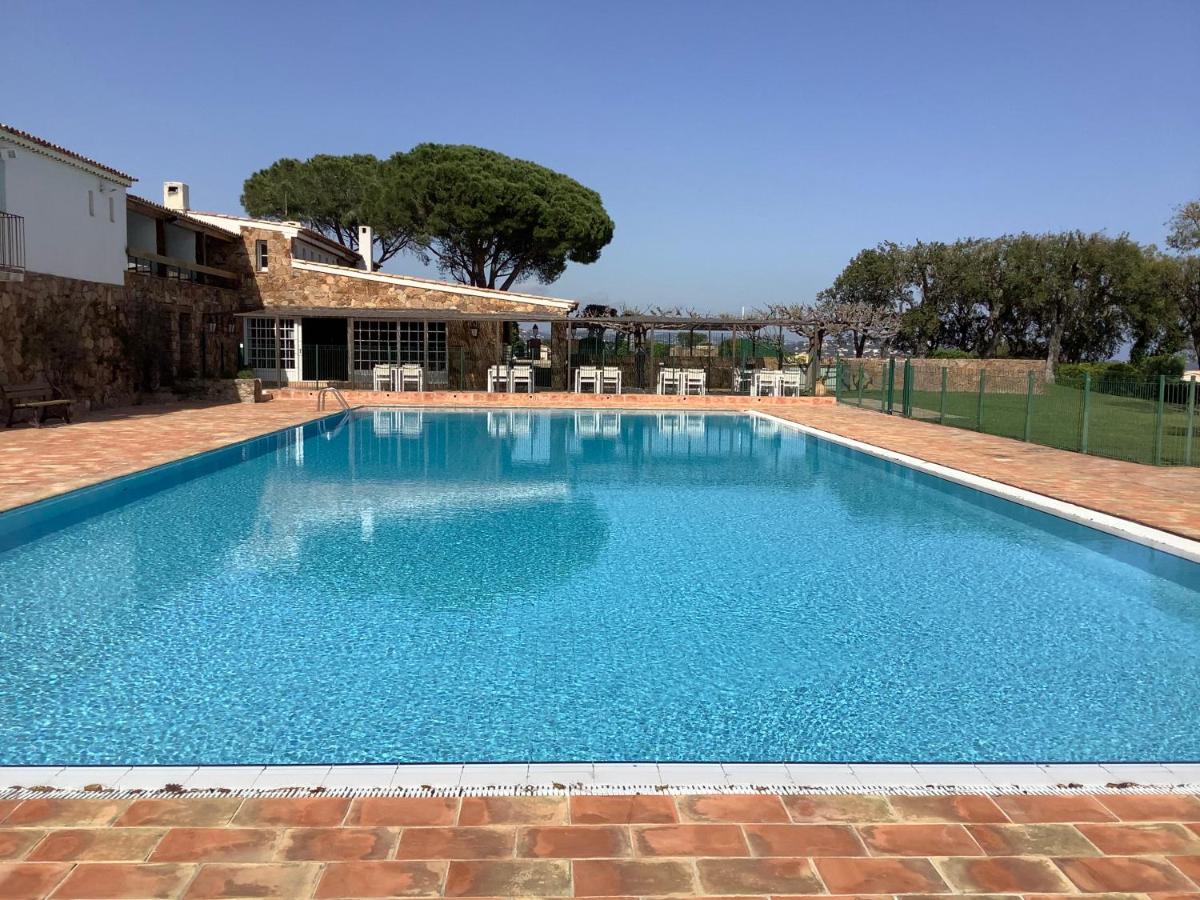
60 237
142 235
302 249
181 243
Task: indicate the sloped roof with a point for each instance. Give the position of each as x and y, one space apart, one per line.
308 234
63 151
157 210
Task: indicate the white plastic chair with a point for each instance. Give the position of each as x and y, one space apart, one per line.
670 381
520 377
589 376
381 375
791 379
411 374
766 384
497 375
610 376
695 381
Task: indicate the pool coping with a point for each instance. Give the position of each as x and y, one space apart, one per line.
549 779
512 779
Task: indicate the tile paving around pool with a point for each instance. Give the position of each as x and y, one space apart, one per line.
649 845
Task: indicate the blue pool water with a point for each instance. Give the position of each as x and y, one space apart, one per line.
400 586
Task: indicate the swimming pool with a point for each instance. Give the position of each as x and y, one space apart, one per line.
446 586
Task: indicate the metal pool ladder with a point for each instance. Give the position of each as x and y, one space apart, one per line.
330 390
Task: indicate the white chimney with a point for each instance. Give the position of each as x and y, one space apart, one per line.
175 196
365 240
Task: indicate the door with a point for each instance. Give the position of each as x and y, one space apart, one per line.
263 336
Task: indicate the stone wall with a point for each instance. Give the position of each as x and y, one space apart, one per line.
282 286
1004 376
105 345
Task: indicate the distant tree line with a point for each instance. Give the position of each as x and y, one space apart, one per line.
1067 297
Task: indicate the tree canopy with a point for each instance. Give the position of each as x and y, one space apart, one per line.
481 217
492 221
332 195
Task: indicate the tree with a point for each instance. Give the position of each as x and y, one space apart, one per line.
491 221
1082 295
873 282
332 195
1185 228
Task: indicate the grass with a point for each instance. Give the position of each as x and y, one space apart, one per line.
1119 426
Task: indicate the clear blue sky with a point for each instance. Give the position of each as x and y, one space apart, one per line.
745 151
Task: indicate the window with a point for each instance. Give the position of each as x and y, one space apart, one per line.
112 209
91 203
260 255
374 343
260 343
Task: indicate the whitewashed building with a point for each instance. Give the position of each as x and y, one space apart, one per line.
60 213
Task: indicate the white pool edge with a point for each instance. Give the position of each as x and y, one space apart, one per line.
601 778
1145 535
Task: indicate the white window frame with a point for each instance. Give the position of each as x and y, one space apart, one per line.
262 256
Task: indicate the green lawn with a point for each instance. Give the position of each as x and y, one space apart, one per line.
1122 427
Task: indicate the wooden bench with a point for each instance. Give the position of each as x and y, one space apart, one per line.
38 398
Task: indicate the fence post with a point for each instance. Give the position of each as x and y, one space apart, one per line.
862 377
1191 422
1158 420
837 388
891 384
942 401
1087 405
979 410
906 406
1029 408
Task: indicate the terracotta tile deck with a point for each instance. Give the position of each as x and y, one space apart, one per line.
38 463
1148 847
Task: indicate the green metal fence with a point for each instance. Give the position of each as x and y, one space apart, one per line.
1150 420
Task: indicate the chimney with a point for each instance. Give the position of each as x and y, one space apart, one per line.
175 195
365 240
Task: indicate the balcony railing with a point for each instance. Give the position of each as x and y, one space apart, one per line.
12 244
146 263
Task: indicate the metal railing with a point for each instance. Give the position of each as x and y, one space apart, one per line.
12 243
1145 420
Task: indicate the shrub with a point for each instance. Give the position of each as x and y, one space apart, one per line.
950 353
246 373
1170 366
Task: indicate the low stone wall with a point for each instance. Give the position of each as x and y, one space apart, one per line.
1003 376
105 344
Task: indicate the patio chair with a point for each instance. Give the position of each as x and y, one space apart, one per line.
670 381
410 375
741 380
497 375
695 381
381 375
765 384
791 379
587 376
610 376
520 377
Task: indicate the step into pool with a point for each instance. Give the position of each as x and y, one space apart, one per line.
394 585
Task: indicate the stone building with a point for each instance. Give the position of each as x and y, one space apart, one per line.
313 311
111 296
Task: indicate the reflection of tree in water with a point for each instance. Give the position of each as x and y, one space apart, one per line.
475 546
